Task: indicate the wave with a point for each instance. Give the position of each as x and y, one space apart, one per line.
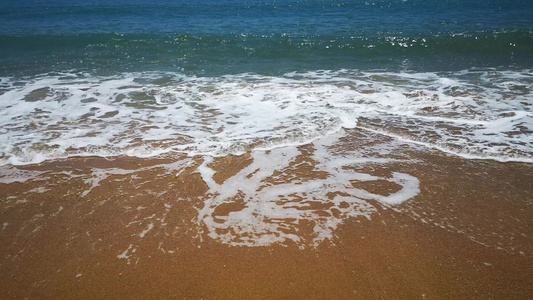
484 113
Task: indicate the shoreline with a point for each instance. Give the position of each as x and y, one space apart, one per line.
130 228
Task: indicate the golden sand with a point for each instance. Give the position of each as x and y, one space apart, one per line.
133 233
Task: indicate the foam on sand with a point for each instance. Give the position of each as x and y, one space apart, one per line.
266 209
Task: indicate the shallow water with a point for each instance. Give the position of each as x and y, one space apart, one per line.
144 79
482 113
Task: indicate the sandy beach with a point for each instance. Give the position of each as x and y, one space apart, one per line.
274 149
119 228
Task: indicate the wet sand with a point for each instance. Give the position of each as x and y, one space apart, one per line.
96 228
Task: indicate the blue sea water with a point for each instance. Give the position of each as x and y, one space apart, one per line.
96 77
215 37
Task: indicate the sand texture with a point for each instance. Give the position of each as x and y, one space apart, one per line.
359 217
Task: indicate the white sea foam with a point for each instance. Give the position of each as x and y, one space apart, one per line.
270 213
144 232
9 175
98 175
481 114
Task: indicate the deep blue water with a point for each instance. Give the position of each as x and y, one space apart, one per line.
266 37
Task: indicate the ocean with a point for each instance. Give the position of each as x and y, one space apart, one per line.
141 78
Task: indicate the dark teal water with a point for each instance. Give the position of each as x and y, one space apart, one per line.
266 37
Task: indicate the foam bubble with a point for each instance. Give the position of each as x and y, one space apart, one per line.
474 113
265 213
10 175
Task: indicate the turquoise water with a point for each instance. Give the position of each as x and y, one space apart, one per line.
214 77
266 37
